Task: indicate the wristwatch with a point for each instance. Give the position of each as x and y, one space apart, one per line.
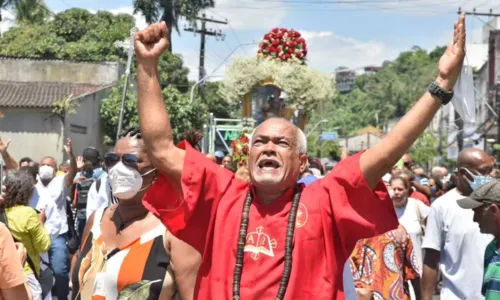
437 91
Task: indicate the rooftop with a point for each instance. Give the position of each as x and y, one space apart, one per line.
41 94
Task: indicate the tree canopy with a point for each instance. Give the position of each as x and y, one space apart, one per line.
386 95
389 94
77 34
74 34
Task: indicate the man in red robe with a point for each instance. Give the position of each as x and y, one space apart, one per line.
274 239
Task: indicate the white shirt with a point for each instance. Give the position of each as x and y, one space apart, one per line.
98 198
53 222
410 217
452 231
56 191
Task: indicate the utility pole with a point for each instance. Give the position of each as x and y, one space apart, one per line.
203 33
497 107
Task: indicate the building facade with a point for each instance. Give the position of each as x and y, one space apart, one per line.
29 89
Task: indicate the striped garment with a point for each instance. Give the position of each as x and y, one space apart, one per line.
138 271
491 281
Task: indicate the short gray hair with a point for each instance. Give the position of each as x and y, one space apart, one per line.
19 188
301 138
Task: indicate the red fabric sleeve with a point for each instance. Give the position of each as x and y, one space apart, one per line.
188 215
358 211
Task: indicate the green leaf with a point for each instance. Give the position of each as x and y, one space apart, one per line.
137 291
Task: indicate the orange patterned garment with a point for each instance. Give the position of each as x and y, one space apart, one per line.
385 264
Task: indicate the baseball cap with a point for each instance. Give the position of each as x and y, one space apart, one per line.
219 154
486 194
91 154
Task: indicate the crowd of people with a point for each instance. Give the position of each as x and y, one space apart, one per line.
156 220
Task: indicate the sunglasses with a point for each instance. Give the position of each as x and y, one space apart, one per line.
111 159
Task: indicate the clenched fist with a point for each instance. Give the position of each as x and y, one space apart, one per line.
151 43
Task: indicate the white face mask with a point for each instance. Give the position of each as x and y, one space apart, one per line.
46 172
125 182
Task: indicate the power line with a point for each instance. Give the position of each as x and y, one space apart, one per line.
203 33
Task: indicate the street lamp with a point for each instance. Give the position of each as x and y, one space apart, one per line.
191 96
316 125
129 46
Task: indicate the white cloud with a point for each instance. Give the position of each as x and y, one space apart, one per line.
7 22
327 50
250 14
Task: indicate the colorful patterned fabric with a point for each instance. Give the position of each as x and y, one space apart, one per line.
384 264
491 282
138 271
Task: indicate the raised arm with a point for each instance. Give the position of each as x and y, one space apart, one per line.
380 159
156 130
9 162
68 180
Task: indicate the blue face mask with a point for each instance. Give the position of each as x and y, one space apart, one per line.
478 180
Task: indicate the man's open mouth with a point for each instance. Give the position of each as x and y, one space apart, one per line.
268 164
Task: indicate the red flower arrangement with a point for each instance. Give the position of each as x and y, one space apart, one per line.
284 45
241 149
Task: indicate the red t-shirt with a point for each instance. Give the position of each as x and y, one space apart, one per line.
334 213
419 196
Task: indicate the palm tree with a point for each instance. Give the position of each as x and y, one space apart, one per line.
3 5
171 11
30 11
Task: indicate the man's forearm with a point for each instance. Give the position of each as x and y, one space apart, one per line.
9 162
379 160
71 171
422 189
153 117
428 282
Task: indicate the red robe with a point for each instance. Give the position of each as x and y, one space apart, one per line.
334 213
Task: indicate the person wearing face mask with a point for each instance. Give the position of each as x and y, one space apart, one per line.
55 189
452 240
125 248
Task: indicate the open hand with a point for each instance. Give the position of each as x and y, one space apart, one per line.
151 43
69 147
4 145
450 64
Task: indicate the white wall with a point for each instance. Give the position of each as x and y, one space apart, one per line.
34 133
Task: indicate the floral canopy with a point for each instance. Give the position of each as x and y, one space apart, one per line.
281 60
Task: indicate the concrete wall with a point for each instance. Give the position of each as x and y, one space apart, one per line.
37 133
34 134
87 119
26 70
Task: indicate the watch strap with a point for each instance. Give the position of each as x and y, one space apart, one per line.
436 90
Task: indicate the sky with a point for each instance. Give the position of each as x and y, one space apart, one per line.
351 33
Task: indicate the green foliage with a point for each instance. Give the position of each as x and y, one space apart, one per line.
183 114
74 34
216 104
318 148
64 107
425 149
386 95
33 12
